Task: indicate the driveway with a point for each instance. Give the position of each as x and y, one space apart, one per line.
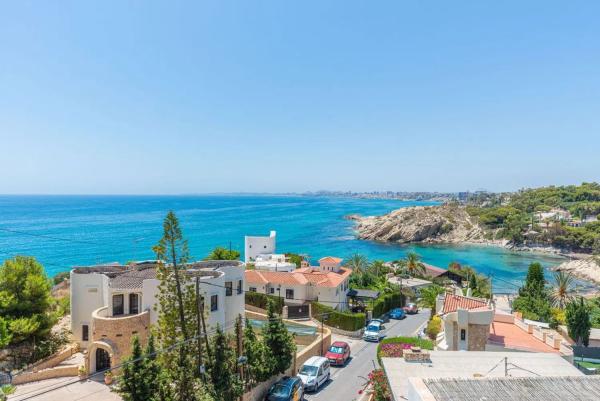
347 381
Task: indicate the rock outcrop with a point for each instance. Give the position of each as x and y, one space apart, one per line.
587 268
431 224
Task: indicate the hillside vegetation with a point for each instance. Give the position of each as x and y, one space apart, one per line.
562 217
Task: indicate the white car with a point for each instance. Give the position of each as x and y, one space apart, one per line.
375 331
314 373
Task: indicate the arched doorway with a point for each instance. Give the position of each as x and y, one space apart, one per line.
102 359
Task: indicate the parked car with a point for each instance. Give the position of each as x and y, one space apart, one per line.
314 373
375 331
411 309
338 353
397 313
286 389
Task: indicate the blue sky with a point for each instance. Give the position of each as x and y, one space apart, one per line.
193 97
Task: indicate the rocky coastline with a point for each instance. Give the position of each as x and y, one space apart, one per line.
451 224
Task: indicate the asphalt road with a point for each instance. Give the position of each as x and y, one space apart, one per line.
347 381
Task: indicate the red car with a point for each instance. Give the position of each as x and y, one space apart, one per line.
338 353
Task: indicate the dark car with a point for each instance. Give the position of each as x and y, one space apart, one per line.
338 353
286 389
397 313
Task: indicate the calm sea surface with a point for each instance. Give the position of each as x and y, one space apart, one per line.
62 231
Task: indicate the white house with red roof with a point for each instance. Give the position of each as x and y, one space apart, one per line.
465 322
326 283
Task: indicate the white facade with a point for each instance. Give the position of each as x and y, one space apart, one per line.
273 262
257 245
125 291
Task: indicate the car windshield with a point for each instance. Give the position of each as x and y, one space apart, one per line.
336 350
280 390
373 327
308 370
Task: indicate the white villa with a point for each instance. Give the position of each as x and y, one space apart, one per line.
327 283
261 252
110 303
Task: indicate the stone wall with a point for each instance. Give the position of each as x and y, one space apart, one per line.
54 359
477 336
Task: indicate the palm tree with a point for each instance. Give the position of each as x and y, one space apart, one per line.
358 263
561 293
378 267
429 297
412 263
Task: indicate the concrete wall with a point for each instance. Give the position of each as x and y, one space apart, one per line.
254 246
55 359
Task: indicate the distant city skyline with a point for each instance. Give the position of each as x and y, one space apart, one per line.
276 97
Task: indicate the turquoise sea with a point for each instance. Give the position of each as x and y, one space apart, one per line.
63 231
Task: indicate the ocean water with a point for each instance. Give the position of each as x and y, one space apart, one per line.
64 231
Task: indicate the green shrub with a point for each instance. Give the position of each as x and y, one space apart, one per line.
434 327
387 302
416 341
340 320
260 300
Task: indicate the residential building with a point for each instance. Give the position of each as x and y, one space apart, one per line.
111 303
465 322
327 283
478 375
273 262
259 245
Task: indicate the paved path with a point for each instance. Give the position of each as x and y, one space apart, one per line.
88 390
346 382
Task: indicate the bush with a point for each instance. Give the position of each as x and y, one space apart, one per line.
434 327
261 301
394 346
387 302
340 320
60 277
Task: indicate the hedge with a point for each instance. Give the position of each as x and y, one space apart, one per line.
260 300
387 302
401 342
340 320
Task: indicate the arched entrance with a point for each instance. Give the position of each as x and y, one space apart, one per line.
102 359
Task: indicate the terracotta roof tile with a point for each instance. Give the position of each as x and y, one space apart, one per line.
299 277
453 302
330 259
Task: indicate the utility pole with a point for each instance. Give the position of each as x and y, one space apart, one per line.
240 349
323 317
199 313
505 366
201 309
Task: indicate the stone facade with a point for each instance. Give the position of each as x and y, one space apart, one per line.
478 336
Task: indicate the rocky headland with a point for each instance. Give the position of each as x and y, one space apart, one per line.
428 224
586 268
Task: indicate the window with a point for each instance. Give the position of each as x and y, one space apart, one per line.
85 332
240 287
118 308
289 294
134 304
252 289
272 290
228 288
463 334
264 246
214 303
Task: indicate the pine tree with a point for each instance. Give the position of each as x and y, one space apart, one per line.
176 310
279 342
473 282
578 321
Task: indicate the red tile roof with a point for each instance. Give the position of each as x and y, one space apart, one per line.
330 259
301 276
434 271
453 302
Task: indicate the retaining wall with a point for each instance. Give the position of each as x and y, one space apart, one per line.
51 373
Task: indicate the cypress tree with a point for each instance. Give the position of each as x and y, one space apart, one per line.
578 321
132 381
279 342
226 385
